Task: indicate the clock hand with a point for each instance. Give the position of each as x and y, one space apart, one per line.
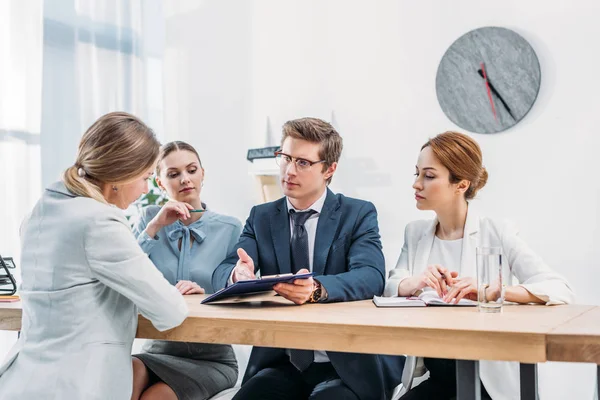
487 86
494 91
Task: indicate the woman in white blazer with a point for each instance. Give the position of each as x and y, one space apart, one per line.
84 277
439 255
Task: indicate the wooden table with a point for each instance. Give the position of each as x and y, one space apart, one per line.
519 333
578 340
10 316
462 333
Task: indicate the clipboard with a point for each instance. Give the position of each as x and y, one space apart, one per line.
254 286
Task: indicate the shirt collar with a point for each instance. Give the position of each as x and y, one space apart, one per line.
59 187
317 205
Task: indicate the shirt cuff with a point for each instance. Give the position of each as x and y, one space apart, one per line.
144 236
230 280
324 294
146 242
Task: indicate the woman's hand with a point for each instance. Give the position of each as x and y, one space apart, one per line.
462 288
493 291
518 294
189 287
169 213
436 277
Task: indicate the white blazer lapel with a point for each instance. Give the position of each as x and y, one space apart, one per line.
424 248
470 241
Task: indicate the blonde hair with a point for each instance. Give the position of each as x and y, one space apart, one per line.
116 149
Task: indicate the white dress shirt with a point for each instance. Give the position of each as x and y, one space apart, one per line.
446 253
311 229
310 225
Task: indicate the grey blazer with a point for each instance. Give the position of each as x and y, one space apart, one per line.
84 280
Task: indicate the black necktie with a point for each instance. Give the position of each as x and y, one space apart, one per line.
301 359
299 243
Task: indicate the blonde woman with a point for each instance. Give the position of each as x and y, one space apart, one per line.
439 255
85 277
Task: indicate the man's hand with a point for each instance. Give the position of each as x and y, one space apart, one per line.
244 269
298 291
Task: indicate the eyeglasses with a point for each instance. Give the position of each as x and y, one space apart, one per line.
283 160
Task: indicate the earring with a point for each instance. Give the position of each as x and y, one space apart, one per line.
202 184
114 188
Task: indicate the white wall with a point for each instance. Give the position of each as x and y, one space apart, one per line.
207 89
372 64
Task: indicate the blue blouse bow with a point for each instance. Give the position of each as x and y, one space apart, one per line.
184 233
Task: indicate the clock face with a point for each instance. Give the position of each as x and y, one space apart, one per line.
488 80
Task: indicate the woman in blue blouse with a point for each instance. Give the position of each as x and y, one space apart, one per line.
186 247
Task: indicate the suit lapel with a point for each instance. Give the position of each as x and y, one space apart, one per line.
326 230
469 245
424 248
280 232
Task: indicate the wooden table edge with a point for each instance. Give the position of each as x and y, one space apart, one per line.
371 339
573 347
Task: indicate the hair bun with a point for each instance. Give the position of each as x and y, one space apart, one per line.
483 177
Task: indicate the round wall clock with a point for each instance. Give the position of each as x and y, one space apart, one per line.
488 80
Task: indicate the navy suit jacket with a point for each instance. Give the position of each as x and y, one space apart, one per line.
348 262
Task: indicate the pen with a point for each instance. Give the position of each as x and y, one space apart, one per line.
199 210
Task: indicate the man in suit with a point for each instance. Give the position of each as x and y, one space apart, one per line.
335 237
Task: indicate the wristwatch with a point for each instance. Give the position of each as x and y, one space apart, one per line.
483 293
315 296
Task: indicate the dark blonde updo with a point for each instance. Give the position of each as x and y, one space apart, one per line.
116 149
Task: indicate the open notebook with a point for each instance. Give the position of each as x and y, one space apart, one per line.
427 298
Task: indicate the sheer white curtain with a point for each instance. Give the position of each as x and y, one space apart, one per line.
20 105
99 56
63 64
